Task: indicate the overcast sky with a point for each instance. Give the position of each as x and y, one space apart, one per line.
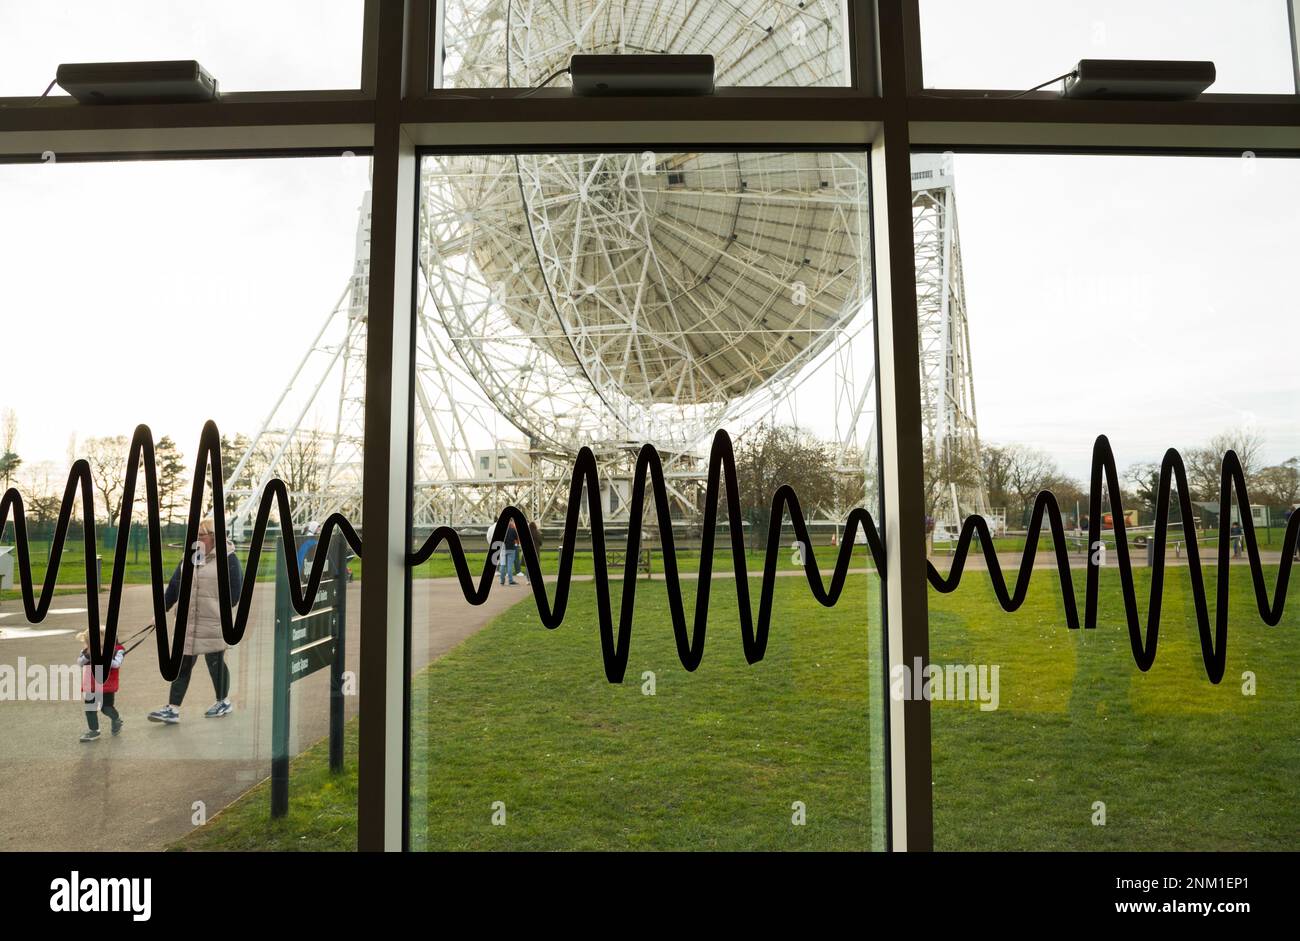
248 45
1022 43
1146 298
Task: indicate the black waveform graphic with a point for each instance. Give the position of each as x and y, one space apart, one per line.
721 479
1213 636
104 638
690 643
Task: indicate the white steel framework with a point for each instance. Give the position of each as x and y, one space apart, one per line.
608 300
952 441
612 299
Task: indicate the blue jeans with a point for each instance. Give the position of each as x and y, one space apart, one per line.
507 565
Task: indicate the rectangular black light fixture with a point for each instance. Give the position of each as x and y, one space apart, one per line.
1139 79
638 74
102 83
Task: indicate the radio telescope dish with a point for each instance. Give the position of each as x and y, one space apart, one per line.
642 296
665 289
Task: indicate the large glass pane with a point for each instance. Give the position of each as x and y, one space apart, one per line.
246 45
1144 299
172 294
579 306
1018 44
513 44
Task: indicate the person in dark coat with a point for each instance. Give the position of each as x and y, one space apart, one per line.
506 567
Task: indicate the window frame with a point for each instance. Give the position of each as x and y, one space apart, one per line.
885 111
860 36
916 77
661 146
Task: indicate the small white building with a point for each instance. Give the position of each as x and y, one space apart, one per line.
504 462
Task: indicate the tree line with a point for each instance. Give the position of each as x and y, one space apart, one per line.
42 483
1013 474
767 457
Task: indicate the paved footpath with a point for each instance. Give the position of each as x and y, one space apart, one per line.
137 791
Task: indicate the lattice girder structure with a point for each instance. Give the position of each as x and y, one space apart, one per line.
947 377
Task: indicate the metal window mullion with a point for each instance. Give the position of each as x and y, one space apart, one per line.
913 74
1293 17
370 48
902 456
861 51
381 793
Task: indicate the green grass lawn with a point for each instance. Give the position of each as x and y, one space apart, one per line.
72 564
1269 537
714 759
322 813
16 594
1178 763
522 715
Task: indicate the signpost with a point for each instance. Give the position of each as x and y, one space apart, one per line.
305 643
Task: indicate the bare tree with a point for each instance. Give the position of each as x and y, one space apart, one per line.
1248 444
997 474
855 485
1205 464
42 491
1029 471
1014 475
945 468
1278 485
107 458
771 456
232 449
8 429
1069 493
301 464
9 459
1144 480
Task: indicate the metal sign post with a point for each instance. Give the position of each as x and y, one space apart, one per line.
305 643
339 572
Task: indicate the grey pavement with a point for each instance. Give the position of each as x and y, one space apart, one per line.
138 791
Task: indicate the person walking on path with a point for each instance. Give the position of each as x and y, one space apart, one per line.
1236 540
203 632
509 549
98 697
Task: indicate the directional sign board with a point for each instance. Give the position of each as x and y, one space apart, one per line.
309 659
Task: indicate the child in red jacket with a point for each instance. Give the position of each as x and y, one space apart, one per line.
99 693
